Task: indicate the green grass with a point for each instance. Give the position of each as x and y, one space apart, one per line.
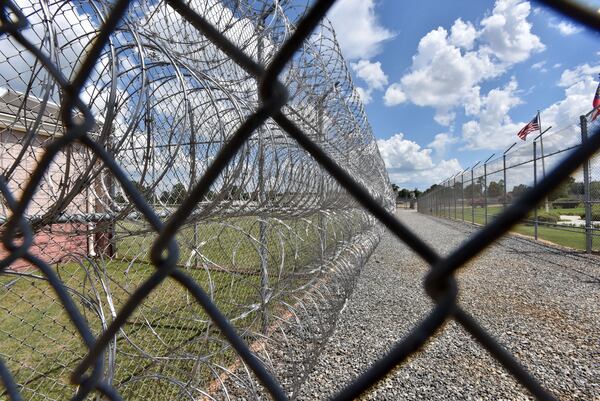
571 237
41 346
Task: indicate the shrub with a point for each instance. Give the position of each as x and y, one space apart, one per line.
566 203
548 217
543 217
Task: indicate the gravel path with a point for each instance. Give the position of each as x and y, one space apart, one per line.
543 304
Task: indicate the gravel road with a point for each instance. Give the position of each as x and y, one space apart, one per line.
542 303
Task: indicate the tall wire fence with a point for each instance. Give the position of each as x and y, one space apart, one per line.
568 216
189 191
274 241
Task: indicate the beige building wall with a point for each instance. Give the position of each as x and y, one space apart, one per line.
25 130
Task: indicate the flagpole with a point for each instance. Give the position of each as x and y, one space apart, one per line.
546 206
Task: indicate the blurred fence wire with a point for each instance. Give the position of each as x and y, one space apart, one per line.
568 215
189 190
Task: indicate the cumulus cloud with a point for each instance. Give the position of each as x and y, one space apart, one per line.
493 129
357 29
412 165
394 95
570 77
364 94
449 66
507 33
372 74
463 34
565 28
441 142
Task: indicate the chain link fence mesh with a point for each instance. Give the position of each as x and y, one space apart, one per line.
189 191
566 216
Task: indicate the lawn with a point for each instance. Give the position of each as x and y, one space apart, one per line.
572 237
169 335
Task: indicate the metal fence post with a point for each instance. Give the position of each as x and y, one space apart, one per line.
262 225
504 181
472 198
505 186
586 190
462 194
473 193
485 189
454 194
535 210
485 192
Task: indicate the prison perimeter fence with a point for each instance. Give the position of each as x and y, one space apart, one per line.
189 190
568 216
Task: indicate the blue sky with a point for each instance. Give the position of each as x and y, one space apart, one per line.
446 84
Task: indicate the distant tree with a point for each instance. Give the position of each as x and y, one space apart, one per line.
146 191
474 190
496 189
178 193
518 190
404 193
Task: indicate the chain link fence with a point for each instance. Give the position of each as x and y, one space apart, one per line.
189 191
567 216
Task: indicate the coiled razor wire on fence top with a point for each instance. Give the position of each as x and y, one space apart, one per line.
189 190
273 241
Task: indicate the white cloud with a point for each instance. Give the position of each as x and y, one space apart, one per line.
358 32
580 73
441 143
580 84
463 34
493 128
565 28
507 33
394 95
424 178
404 155
447 68
371 73
72 31
539 66
410 164
364 94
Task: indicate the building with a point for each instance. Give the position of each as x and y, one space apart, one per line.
65 197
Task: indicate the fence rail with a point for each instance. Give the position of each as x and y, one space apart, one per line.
568 216
189 190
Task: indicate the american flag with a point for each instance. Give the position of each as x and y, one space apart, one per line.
531 126
596 104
